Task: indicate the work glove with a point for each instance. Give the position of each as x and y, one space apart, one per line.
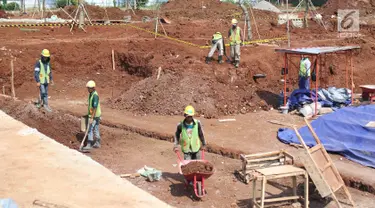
52 82
176 148
38 84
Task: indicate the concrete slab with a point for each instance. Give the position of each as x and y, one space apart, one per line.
35 167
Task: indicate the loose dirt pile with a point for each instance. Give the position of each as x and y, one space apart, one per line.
197 167
100 13
3 14
366 7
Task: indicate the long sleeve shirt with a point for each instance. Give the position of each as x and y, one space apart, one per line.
179 130
37 69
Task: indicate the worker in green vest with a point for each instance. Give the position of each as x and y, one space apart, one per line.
189 135
43 76
304 74
94 113
235 38
216 43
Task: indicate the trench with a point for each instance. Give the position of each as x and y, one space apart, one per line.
63 127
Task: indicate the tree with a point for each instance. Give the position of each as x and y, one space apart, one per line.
247 19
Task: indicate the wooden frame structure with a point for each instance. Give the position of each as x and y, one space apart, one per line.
321 168
316 54
269 166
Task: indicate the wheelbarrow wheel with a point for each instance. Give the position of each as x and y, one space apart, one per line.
199 187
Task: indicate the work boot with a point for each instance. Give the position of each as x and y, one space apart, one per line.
88 146
47 108
208 60
237 64
97 144
220 59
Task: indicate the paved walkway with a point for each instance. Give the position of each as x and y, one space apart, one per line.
35 167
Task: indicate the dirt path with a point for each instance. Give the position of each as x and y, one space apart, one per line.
125 152
250 133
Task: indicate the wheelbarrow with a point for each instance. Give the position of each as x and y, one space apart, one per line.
196 179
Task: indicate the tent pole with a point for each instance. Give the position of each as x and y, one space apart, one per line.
316 85
346 71
352 69
285 77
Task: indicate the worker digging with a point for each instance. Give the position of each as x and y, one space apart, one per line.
217 43
43 76
94 113
235 41
189 136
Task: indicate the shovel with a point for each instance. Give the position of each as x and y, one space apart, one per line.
83 141
225 54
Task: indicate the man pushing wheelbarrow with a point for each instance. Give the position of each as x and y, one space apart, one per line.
189 135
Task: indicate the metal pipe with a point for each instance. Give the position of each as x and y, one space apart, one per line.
285 77
316 85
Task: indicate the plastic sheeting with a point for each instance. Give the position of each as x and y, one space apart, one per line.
331 97
8 203
343 131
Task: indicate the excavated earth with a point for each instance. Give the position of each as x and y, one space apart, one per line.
161 76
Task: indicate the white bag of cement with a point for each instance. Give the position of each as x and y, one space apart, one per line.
308 110
27 131
150 173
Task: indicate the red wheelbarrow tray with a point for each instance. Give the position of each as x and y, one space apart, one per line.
190 177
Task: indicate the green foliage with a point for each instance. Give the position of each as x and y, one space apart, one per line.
114 3
141 3
63 3
13 6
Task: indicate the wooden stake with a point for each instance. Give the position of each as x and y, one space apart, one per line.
12 78
113 60
156 26
158 76
3 90
165 33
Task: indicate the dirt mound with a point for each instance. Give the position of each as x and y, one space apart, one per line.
3 14
210 9
197 167
366 7
99 13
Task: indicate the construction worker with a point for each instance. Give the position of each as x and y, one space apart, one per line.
216 43
189 135
235 38
94 113
304 73
43 76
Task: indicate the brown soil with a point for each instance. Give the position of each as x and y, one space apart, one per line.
3 14
197 167
366 7
100 13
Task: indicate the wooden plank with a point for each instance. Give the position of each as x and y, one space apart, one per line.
259 155
262 165
312 168
264 159
315 148
12 78
312 132
326 166
277 170
286 198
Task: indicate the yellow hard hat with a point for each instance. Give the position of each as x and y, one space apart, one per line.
90 84
46 53
189 110
234 21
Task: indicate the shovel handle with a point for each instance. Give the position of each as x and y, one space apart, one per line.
202 154
178 155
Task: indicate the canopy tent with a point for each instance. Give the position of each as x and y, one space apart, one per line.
315 54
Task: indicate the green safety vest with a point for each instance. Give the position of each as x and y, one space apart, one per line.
192 143
217 36
43 76
91 109
302 69
235 37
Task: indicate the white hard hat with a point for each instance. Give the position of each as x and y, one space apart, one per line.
90 84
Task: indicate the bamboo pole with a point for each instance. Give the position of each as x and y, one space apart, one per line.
12 78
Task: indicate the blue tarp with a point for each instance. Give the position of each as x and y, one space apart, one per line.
331 97
343 131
